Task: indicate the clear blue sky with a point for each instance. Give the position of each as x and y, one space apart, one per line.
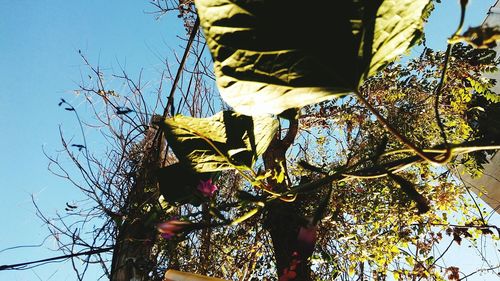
39 63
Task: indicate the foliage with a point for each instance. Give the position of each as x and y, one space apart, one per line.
223 141
375 206
373 221
270 56
370 220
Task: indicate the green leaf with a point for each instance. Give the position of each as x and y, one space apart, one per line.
270 56
398 25
220 142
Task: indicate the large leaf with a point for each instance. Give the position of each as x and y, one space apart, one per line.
220 142
272 55
398 25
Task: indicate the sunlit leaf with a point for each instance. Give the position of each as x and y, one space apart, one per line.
352 270
398 25
270 56
273 55
220 142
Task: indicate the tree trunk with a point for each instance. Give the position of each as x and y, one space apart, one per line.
283 225
132 256
283 219
206 234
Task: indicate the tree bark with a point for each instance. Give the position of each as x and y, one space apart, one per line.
132 256
206 234
282 219
283 225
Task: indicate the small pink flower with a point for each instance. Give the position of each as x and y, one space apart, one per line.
171 228
207 188
166 236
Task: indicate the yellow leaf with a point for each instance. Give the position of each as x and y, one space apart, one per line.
352 270
395 249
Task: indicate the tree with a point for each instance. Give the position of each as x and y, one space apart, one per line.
272 77
338 184
122 181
